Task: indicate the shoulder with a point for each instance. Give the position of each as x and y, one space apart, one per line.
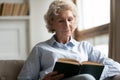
48 42
84 43
38 48
41 44
80 43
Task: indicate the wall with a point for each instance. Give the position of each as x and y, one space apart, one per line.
38 31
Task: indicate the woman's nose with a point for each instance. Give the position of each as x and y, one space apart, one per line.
66 24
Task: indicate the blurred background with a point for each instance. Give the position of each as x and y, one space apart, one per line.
22 25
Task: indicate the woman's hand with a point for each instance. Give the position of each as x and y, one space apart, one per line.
53 76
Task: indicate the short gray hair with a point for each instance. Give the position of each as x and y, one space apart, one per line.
54 9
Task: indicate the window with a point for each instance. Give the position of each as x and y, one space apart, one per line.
94 13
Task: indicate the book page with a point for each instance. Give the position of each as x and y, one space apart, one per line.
70 61
91 63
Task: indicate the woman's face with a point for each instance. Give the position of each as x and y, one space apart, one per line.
63 23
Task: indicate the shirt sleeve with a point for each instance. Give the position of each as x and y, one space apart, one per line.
112 67
31 68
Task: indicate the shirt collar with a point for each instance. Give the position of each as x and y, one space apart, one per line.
53 42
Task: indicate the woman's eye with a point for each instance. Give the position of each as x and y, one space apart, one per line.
70 19
60 21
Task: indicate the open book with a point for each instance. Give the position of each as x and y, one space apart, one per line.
71 67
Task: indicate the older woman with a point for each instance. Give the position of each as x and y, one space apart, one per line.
61 19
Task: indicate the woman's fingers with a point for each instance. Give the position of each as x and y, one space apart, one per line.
53 76
52 73
58 77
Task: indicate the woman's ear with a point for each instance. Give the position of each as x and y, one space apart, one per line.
51 23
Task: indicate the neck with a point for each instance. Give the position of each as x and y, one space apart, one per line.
62 39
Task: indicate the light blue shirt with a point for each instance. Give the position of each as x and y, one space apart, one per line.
42 58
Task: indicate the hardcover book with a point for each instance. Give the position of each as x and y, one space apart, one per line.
70 68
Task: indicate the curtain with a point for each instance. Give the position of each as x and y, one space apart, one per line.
114 42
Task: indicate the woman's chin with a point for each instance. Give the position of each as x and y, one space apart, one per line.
66 35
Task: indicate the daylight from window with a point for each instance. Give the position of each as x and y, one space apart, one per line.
94 13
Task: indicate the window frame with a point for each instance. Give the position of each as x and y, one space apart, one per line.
92 32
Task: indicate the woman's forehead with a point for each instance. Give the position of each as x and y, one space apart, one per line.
64 14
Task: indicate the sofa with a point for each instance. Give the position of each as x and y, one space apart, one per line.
9 69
